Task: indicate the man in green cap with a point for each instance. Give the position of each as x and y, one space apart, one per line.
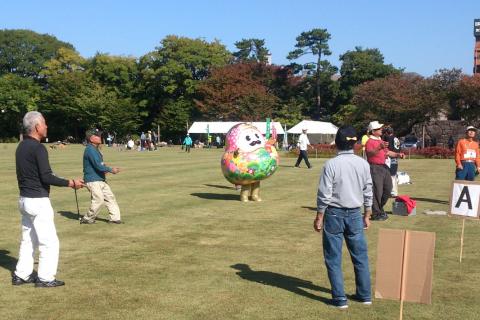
94 176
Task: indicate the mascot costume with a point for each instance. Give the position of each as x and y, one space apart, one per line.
248 159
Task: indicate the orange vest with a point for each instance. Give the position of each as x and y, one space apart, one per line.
467 151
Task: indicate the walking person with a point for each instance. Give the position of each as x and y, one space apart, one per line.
188 143
377 153
345 186
94 175
303 144
467 156
35 176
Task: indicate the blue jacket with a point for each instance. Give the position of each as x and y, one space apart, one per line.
93 167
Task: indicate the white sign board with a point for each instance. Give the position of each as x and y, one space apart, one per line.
465 198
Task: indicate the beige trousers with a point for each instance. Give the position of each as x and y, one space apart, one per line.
100 193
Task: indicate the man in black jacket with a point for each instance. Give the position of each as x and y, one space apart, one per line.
34 177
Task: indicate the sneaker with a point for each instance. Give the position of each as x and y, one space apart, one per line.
17 281
49 284
379 217
340 304
362 300
86 221
115 221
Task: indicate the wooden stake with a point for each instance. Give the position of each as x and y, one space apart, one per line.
461 240
404 271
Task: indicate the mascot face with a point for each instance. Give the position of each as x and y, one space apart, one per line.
250 139
248 157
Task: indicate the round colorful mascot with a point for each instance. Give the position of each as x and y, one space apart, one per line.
248 159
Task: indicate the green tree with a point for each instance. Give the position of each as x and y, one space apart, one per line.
313 42
172 72
251 50
115 72
359 66
447 81
18 95
24 52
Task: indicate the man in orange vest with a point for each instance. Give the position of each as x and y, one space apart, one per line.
467 156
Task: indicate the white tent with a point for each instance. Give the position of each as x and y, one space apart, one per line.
317 131
223 127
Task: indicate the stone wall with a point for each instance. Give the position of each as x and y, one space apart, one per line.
441 130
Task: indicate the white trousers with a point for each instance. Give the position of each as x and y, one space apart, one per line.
38 231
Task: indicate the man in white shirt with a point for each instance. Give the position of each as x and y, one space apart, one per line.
303 144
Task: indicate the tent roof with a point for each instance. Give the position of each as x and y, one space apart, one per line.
223 127
314 127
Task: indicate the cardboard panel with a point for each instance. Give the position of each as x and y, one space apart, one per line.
419 266
389 264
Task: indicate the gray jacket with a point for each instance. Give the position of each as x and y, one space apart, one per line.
345 183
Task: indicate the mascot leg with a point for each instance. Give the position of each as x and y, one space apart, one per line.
256 191
245 192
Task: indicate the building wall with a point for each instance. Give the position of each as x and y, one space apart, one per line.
441 130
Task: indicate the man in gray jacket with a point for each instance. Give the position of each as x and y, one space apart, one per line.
345 186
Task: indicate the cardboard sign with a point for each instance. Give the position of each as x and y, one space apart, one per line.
405 265
465 198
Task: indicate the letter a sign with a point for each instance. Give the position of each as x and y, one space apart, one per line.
465 199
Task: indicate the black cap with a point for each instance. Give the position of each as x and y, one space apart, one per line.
346 137
93 132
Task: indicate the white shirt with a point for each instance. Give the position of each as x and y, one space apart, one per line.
303 141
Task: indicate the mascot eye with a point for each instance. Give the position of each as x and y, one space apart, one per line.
248 138
256 135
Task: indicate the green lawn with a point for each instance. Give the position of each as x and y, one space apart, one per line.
190 250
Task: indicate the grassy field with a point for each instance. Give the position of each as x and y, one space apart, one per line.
190 250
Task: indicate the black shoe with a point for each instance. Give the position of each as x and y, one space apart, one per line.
16 280
49 284
115 221
379 217
86 221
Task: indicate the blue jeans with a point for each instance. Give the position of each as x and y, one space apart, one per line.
339 224
467 173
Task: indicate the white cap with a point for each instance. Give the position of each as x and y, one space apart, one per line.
374 125
471 128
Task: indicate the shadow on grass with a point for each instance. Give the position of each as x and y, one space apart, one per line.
431 200
219 186
285 166
74 216
294 285
216 196
310 208
6 261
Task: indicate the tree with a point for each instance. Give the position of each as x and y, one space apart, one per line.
18 95
468 104
65 61
173 71
359 66
119 74
313 42
237 92
24 52
446 82
399 100
251 50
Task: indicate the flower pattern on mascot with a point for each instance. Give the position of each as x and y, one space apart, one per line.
248 159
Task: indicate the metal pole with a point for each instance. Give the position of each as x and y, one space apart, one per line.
76 200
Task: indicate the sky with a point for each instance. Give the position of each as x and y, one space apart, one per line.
420 36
